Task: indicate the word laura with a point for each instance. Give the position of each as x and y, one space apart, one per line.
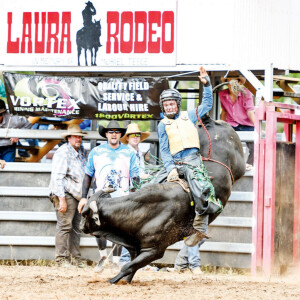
56 25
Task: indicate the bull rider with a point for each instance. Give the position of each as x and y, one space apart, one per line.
179 147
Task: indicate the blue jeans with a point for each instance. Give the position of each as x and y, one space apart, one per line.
8 153
188 257
125 256
250 145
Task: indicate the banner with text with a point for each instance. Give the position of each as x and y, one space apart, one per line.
88 33
84 98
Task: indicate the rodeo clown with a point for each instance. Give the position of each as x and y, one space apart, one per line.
179 147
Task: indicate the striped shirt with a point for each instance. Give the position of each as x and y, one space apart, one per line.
67 174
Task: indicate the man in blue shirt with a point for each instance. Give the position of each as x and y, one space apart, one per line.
179 148
112 165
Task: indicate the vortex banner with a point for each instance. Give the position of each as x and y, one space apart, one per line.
84 98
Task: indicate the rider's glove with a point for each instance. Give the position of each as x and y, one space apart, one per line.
173 175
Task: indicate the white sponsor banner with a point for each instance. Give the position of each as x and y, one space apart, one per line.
111 33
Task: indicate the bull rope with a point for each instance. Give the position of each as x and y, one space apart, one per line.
209 148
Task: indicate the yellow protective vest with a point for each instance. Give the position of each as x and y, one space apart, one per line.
182 133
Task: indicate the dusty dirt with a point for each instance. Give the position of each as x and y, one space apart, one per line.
40 282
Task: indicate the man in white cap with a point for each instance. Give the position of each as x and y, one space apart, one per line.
112 165
133 137
67 175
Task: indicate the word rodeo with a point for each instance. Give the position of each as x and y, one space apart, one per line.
58 33
127 32
140 32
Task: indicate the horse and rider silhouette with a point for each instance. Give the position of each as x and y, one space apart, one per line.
88 37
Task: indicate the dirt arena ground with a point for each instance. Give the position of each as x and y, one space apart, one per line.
40 282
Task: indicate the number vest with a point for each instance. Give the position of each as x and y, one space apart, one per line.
182 133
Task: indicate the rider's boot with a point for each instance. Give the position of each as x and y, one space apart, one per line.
200 224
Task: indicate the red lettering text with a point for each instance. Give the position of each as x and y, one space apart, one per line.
53 19
140 18
58 33
39 45
12 47
113 17
167 20
153 32
26 33
126 18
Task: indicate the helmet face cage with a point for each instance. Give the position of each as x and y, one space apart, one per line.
170 94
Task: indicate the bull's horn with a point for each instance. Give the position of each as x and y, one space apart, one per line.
108 190
95 216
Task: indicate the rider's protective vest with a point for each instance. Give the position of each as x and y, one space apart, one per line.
182 133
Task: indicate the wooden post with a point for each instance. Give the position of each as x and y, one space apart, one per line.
283 248
43 151
33 120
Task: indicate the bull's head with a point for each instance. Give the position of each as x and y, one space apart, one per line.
90 221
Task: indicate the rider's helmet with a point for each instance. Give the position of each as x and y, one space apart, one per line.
170 94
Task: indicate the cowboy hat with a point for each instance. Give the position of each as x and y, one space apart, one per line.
240 78
134 128
2 106
73 129
111 125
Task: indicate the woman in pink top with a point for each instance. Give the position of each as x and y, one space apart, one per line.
238 110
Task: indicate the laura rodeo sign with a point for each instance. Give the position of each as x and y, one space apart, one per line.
84 98
88 33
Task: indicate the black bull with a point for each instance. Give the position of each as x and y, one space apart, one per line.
148 221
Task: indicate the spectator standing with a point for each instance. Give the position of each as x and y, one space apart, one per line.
113 165
238 110
133 137
8 146
67 175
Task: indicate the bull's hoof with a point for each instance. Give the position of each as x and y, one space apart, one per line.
113 280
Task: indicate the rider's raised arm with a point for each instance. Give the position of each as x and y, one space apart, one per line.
207 98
